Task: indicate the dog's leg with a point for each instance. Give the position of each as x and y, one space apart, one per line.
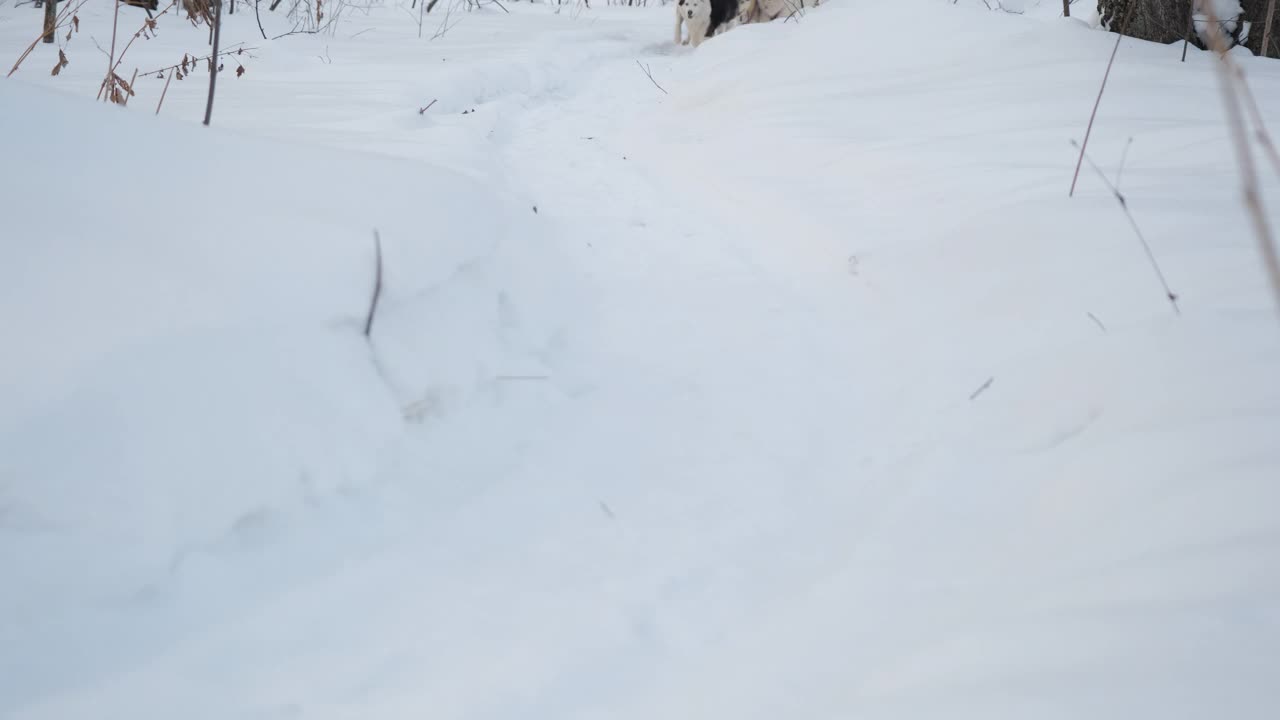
698 25
679 39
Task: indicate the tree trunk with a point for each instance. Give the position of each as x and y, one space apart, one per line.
1166 21
1066 8
50 19
213 59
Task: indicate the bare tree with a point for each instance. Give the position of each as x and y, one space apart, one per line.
50 19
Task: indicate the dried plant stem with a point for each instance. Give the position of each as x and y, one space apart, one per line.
1093 115
131 82
68 11
111 59
1230 78
1146 247
233 50
136 35
1255 115
168 79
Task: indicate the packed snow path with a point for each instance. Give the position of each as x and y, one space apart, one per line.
794 388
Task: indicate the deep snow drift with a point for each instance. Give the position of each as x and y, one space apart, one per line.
792 388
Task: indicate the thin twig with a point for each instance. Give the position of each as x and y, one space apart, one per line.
68 11
1096 320
168 79
258 16
377 284
982 388
111 61
145 26
1124 205
233 50
131 84
1089 130
423 110
1123 156
645 68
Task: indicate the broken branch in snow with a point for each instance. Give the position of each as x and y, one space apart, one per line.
377 284
1230 81
645 68
1124 205
982 388
1096 320
423 110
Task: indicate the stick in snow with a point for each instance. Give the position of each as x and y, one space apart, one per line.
645 68
377 284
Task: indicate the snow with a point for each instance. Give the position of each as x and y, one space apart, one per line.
794 387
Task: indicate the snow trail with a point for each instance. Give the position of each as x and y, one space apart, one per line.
774 394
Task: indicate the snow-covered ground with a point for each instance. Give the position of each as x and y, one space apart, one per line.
785 384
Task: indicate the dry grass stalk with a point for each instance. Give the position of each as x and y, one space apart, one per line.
168 79
1230 81
190 62
1096 103
1137 231
66 16
113 86
111 59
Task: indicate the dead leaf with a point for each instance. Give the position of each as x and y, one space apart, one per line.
62 62
239 70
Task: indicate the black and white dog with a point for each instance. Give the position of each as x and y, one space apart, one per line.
706 18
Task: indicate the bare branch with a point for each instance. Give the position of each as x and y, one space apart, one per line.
377 284
1124 205
649 74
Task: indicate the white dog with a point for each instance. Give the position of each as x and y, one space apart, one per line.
706 18
696 14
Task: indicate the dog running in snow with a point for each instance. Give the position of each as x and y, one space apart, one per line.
706 18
